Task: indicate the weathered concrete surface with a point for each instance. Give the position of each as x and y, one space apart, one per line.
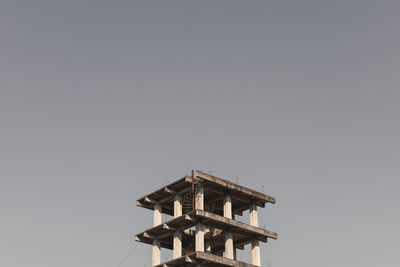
214 191
205 259
216 202
242 233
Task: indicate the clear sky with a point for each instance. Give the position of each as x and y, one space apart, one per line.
104 101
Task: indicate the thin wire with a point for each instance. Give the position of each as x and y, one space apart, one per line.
127 256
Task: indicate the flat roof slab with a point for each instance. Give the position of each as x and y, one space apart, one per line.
214 190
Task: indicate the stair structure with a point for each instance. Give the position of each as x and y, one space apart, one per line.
204 231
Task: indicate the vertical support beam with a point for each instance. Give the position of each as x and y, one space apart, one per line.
229 245
234 249
208 246
228 235
157 215
200 197
255 253
228 206
177 245
199 237
253 215
207 241
156 252
177 205
157 243
255 245
194 195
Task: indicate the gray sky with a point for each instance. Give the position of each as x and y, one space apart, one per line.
104 101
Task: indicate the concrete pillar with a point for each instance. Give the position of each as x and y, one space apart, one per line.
255 253
177 205
199 237
255 245
228 206
253 215
229 245
177 245
156 252
234 249
157 214
228 235
200 198
156 243
208 246
207 241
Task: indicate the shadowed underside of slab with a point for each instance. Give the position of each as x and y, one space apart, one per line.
205 259
243 234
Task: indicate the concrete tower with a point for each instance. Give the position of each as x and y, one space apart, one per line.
204 231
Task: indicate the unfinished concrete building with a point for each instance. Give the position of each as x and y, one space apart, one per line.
203 230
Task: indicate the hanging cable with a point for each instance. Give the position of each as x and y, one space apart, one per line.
127 256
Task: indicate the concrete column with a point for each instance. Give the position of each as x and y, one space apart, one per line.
200 198
177 245
253 215
177 205
208 246
229 245
156 243
157 214
207 241
199 237
156 252
234 249
255 253
228 206
255 245
228 235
